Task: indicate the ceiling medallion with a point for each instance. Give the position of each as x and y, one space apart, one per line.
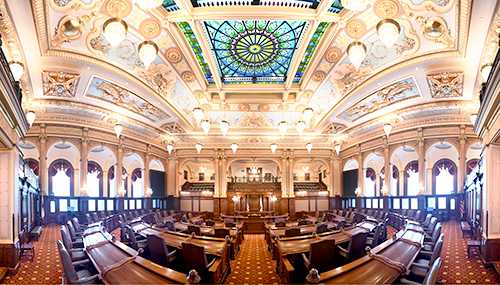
309 93
264 107
355 29
243 107
224 107
334 129
446 84
150 29
173 128
283 107
174 55
59 83
199 94
318 76
333 55
386 9
188 76
118 8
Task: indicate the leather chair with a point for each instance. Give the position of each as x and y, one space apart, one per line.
196 258
340 225
73 234
170 226
123 233
95 217
369 213
374 240
194 229
158 222
184 219
292 232
430 228
280 224
302 222
172 212
102 215
222 232
230 225
431 276
164 213
355 249
429 244
421 266
159 251
321 255
427 220
143 213
87 217
210 223
136 244
136 213
71 276
76 254
404 213
416 217
78 243
76 225
321 228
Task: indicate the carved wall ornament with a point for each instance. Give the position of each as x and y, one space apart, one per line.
150 29
69 28
118 8
173 128
436 29
188 76
318 76
308 94
333 55
60 83
386 9
174 55
199 94
112 93
355 29
446 84
334 129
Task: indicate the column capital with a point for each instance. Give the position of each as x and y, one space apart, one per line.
421 141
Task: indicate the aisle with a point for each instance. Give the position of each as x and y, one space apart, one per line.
253 264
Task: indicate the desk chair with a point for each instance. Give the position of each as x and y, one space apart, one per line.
196 258
321 255
159 251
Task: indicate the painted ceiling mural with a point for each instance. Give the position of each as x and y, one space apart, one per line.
246 52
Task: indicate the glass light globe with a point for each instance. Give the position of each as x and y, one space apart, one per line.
273 147
115 31
388 31
170 148
205 125
118 130
309 146
485 71
149 4
224 127
198 114
357 52
17 69
387 129
473 119
147 52
198 147
307 115
283 126
355 5
234 147
300 127
337 148
31 117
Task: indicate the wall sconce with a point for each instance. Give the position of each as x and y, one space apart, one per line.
207 193
150 192
421 189
357 191
122 192
83 191
384 191
235 198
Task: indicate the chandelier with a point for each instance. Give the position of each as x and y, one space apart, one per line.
473 118
337 148
388 31
198 114
485 71
118 130
224 127
283 126
387 129
198 147
309 146
170 147
205 125
300 127
307 115
234 147
115 31
357 52
147 52
31 117
273 147
17 69
148 4
355 5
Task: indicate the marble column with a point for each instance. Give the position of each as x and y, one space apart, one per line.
428 190
145 173
105 190
223 175
462 160
84 152
118 170
291 159
361 179
378 182
421 157
129 185
387 167
218 179
43 172
401 183
284 174
176 174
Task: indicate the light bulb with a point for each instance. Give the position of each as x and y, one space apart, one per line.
300 127
224 127
387 129
147 52
485 71
273 147
198 114
307 115
337 148
234 147
473 118
283 126
170 147
309 146
17 69
357 52
388 31
205 125
198 147
115 31
355 5
118 130
31 117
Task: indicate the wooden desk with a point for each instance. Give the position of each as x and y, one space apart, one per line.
183 227
120 264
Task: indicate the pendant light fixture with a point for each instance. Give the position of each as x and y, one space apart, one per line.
388 31
273 147
307 115
224 127
309 146
148 4
300 127
473 118
198 147
357 52
115 30
234 147
147 52
170 147
283 126
17 69
355 5
387 129
118 130
198 114
205 125
337 148
485 71
30 117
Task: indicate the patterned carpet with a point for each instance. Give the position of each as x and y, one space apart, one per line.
253 264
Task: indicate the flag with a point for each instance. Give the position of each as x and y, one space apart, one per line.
462 208
248 206
260 204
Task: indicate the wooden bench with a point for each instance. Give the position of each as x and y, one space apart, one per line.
465 228
3 274
36 232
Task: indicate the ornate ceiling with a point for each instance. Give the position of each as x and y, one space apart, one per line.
251 63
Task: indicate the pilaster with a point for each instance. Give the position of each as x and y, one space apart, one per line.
462 160
43 173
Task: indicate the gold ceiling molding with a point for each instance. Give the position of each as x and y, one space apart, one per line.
428 6
334 129
446 84
60 83
63 6
173 128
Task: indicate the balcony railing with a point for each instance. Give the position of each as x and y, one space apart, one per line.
253 179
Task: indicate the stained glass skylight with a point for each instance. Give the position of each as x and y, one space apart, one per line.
311 47
198 52
336 7
254 51
308 4
170 5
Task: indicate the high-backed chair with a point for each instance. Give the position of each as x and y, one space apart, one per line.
210 223
102 215
76 254
340 225
416 217
194 229
369 213
429 245
230 225
71 276
159 251
68 242
137 215
321 228
172 212
95 217
321 255
374 240
196 258
73 234
427 220
355 249
421 266
77 226
281 224
184 218
430 228
88 219
404 213
136 244
222 232
159 222
302 222
26 248
170 226
143 213
431 276
292 232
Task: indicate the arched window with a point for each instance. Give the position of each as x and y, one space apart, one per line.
33 165
444 177
470 165
94 179
112 182
395 181
61 178
137 190
370 182
412 180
